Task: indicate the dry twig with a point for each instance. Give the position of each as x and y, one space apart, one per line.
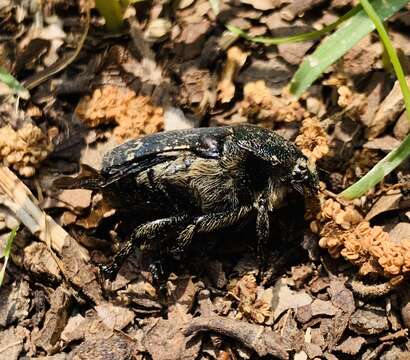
259 338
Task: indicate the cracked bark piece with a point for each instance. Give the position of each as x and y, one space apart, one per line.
352 345
56 318
12 342
342 299
115 347
164 340
39 261
368 322
14 303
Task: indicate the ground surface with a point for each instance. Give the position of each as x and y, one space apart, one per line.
345 296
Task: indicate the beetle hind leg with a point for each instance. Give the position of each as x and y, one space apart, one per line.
145 237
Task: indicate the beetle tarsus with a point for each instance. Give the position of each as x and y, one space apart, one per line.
110 271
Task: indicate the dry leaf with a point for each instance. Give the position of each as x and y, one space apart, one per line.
259 338
284 298
114 317
402 127
73 199
400 232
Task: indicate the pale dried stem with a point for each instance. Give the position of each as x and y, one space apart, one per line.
19 199
9 346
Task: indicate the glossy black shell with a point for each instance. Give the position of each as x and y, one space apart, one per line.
205 142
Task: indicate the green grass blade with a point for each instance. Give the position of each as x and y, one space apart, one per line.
7 252
312 35
342 40
379 171
112 12
394 158
13 84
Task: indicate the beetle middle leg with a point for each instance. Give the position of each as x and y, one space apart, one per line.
262 229
208 223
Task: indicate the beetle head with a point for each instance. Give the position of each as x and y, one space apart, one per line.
287 161
304 176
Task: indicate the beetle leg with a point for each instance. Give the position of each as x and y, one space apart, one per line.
262 228
144 235
160 189
208 223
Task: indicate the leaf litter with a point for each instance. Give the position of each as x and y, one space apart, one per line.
176 67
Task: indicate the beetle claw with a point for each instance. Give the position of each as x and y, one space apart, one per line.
109 271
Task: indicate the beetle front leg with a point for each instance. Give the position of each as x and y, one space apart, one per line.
161 189
145 235
262 229
208 223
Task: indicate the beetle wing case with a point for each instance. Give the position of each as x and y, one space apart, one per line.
206 142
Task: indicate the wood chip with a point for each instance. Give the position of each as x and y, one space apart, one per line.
265 4
368 322
391 107
352 345
384 203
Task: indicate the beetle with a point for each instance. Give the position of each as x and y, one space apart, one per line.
201 180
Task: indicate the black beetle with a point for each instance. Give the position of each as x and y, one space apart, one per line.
199 181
